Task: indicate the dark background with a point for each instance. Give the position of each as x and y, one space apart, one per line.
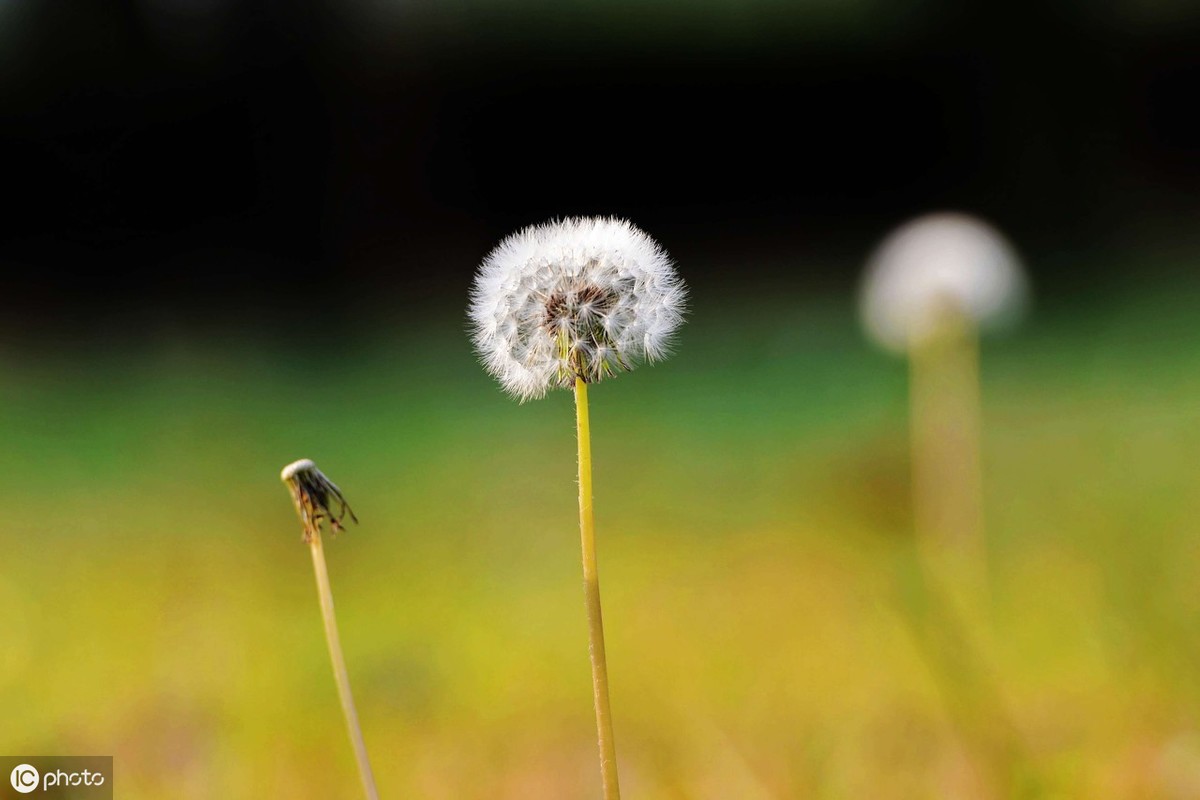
209 163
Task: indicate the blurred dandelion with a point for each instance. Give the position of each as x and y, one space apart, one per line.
929 289
315 497
563 305
935 268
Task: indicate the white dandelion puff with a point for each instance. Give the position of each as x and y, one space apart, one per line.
580 298
945 262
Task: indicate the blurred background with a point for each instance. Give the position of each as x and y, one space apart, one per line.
239 233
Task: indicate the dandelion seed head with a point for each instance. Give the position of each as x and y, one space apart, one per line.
582 297
315 497
938 263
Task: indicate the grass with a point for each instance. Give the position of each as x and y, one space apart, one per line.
760 589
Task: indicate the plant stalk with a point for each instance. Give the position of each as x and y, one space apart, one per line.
945 440
341 677
591 596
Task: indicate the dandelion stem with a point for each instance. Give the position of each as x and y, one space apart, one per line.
339 668
945 425
591 594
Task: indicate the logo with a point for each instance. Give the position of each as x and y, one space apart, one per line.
24 778
55 777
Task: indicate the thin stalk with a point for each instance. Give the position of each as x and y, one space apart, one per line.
954 627
591 596
340 675
945 440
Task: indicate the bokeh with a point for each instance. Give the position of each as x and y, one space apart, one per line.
239 234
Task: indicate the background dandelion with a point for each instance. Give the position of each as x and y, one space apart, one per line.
929 290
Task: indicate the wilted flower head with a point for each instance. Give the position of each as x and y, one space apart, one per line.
935 265
314 496
584 297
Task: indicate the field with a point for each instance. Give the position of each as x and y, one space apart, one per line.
770 633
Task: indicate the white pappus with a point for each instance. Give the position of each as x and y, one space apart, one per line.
938 263
584 297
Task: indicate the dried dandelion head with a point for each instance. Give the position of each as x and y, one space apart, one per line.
580 298
315 496
939 265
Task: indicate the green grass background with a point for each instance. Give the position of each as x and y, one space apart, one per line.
761 595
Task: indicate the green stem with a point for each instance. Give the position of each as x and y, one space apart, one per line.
591 596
